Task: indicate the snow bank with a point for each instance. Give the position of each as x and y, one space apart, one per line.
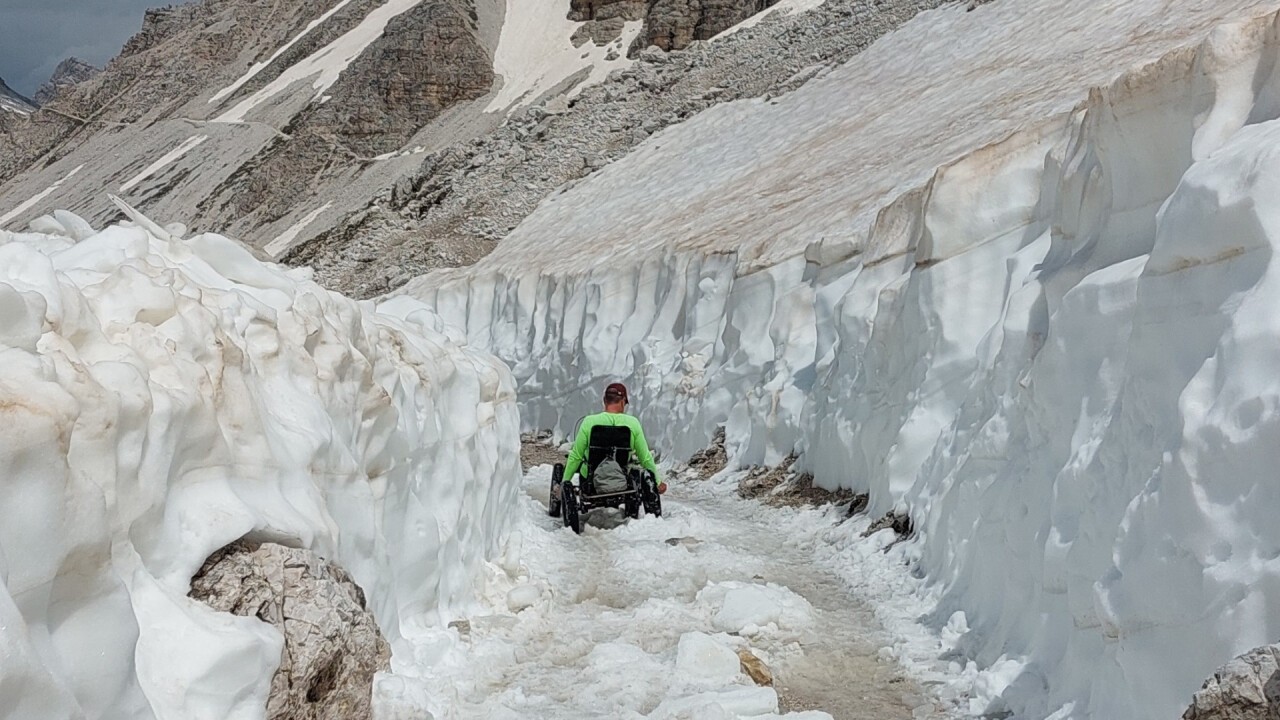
1038 316
163 397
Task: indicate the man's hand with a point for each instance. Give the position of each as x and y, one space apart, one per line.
662 488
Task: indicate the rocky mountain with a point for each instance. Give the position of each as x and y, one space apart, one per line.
668 24
377 139
69 72
12 102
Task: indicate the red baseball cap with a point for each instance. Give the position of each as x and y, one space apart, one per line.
617 391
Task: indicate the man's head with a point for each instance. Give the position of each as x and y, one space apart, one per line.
615 398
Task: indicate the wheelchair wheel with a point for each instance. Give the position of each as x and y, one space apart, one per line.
572 511
650 496
553 504
631 504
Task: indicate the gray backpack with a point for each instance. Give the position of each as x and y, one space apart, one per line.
609 477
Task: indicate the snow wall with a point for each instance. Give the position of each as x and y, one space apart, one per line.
163 397
1058 352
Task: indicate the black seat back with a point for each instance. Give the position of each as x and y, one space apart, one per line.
608 441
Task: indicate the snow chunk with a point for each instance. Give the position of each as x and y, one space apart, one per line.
727 704
745 607
523 596
701 657
162 398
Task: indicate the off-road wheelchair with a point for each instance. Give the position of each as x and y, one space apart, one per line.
572 502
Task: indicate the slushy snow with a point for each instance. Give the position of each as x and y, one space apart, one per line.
619 623
1019 287
164 396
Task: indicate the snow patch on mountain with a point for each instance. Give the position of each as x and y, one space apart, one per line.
1016 288
38 197
286 238
258 67
164 396
535 53
782 7
11 101
327 63
165 160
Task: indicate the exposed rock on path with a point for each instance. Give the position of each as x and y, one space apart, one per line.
332 645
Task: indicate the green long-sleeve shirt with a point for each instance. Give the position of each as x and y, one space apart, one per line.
639 446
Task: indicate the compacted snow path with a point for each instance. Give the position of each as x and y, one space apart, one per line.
643 619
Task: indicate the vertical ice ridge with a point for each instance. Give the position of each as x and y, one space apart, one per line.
1054 355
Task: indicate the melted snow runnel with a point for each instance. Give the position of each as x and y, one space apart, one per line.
42 195
329 62
258 67
169 158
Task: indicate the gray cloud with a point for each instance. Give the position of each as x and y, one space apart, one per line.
35 35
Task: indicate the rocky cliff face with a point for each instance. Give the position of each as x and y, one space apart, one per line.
181 53
69 73
237 110
427 60
673 24
670 24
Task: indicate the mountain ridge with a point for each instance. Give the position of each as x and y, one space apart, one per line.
11 101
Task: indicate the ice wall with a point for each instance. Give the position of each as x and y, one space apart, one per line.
1055 350
161 397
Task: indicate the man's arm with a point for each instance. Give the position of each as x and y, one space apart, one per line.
579 450
640 447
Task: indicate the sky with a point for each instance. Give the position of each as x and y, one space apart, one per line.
36 35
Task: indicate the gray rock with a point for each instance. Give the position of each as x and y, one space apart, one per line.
69 73
1246 688
598 32
674 24
584 10
332 644
653 54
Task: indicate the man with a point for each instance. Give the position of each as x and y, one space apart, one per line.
615 405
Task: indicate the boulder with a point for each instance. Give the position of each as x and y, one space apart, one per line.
1246 688
332 645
